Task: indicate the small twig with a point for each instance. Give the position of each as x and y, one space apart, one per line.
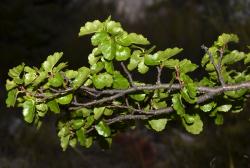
128 74
218 66
159 70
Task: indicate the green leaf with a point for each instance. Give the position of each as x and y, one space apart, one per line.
81 136
138 39
189 93
56 80
103 129
168 53
224 108
73 142
71 74
142 68
113 27
247 59
91 27
102 80
52 61
134 60
189 119
171 63
219 119
16 72
138 97
97 67
11 99
208 107
122 53
98 111
226 38
65 99
108 49
187 66
53 106
177 104
109 66
120 82
233 57
10 85
77 123
90 120
158 124
150 59
82 76
29 110
108 112
59 67
41 109
93 58
65 142
29 78
196 127
99 37
41 78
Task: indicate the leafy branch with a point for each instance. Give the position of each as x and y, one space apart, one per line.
94 103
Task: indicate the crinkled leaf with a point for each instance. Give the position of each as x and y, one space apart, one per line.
158 124
90 27
134 60
108 49
109 66
41 78
171 63
168 53
103 129
150 59
29 110
113 27
108 112
16 71
10 85
11 99
196 127
226 38
247 59
122 53
71 74
138 39
233 57
41 109
51 61
77 123
82 76
99 37
97 67
102 80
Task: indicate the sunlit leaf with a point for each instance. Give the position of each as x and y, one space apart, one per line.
103 129
90 27
102 80
29 110
158 124
11 99
196 127
51 61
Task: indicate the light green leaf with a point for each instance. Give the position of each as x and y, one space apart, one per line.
90 120
29 110
138 97
168 53
93 58
171 63
41 109
150 59
108 49
51 61
113 27
99 37
247 59
98 111
109 66
29 78
71 74
97 67
41 77
208 107
226 38
134 60
120 82
10 85
189 93
102 80
108 112
64 142
224 108
233 57
177 104
81 136
138 39
158 124
11 99
56 80
196 127
73 142
16 71
122 53
65 99
53 106
187 66
82 76
103 129
142 68
77 123
91 27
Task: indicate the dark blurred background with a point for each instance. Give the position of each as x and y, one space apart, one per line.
30 30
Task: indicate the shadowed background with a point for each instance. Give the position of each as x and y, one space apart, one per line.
31 30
